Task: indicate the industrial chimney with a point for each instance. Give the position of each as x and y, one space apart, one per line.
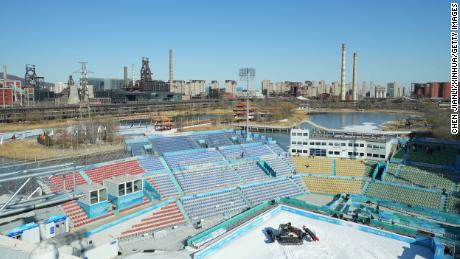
125 77
355 93
171 76
342 78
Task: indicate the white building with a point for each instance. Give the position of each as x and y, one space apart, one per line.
195 87
267 86
214 84
178 86
338 144
230 87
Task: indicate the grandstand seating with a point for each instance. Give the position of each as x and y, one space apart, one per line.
279 166
277 149
176 143
406 195
453 205
232 152
442 154
182 160
313 165
270 190
164 184
332 185
301 183
167 216
423 176
207 179
78 215
152 164
137 149
250 171
369 168
348 167
212 204
57 181
257 150
101 173
244 151
214 140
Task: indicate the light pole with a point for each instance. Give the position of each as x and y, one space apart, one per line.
247 74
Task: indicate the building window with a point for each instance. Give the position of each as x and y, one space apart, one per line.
361 145
356 145
121 189
137 185
305 134
369 146
331 144
129 187
336 153
305 151
305 143
293 142
318 143
382 156
317 152
361 154
369 155
350 145
299 142
375 155
312 143
93 197
349 153
293 150
102 195
342 144
330 152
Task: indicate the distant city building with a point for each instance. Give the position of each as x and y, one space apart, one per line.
195 87
102 84
393 90
178 86
267 87
214 84
230 87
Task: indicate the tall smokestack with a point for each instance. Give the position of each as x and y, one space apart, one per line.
125 77
342 78
5 79
171 76
355 93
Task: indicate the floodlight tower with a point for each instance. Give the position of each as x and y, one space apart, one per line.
247 74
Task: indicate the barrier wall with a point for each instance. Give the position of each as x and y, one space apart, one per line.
224 225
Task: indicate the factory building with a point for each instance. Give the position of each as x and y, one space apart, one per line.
440 90
103 84
12 93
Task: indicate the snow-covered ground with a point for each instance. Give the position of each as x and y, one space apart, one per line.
336 241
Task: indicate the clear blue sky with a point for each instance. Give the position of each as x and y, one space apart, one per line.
406 41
